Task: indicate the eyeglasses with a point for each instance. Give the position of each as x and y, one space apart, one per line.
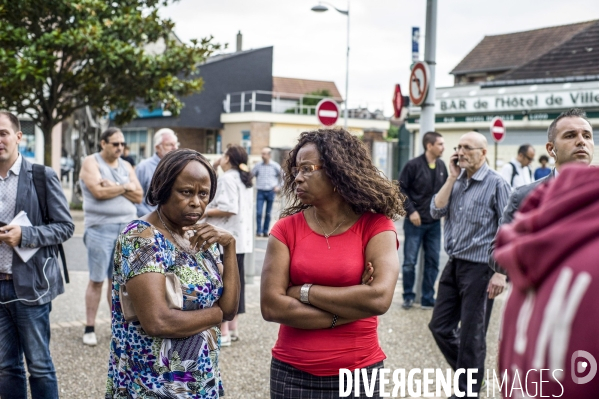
116 144
305 169
466 148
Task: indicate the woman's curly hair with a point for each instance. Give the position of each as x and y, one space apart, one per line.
347 163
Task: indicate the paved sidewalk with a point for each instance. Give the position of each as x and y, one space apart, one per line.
82 370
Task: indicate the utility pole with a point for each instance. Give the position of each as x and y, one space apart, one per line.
427 116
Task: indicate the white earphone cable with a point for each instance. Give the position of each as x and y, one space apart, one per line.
38 298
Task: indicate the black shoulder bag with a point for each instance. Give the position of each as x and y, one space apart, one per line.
39 180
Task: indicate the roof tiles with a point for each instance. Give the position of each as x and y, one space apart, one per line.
513 50
304 86
578 56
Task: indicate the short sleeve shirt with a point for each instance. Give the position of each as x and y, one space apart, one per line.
354 345
142 366
234 197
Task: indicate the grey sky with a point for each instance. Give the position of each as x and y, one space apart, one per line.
312 45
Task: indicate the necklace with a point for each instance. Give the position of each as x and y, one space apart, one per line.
185 247
326 236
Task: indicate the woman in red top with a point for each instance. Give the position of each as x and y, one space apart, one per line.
331 265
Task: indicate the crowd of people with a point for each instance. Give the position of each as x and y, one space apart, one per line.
170 237
500 224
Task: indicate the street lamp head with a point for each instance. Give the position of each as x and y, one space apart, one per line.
320 8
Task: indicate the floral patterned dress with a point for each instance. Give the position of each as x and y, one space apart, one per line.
142 366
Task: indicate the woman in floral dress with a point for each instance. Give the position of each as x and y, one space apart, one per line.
163 352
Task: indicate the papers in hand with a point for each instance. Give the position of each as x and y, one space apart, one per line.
24 253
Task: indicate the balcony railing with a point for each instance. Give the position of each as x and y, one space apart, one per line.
290 103
268 101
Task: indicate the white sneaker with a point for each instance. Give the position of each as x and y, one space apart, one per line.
225 340
90 339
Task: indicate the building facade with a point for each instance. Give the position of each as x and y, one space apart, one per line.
242 103
527 79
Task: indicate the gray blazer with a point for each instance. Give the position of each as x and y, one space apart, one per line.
28 278
512 206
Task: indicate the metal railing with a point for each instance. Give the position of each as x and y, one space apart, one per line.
292 103
268 101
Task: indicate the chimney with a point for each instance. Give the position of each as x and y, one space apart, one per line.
239 38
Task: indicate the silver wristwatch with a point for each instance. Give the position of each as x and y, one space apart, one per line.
304 291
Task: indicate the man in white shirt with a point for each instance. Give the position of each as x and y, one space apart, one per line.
517 172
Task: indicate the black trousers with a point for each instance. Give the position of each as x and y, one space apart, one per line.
461 317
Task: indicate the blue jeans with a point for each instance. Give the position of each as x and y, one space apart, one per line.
429 235
25 330
262 197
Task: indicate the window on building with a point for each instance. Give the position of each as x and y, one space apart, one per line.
246 143
137 140
210 142
27 144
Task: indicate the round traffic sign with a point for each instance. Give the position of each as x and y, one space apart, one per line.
497 129
419 81
327 112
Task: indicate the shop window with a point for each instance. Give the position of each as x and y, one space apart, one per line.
137 140
27 144
210 142
246 142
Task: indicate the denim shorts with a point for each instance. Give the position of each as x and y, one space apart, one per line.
100 241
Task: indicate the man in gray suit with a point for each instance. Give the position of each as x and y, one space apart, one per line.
569 139
27 288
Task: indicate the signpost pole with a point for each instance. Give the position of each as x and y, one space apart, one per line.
495 155
497 133
427 117
346 74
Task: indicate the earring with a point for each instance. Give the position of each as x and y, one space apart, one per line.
335 189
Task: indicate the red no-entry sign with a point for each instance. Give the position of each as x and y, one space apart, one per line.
497 129
397 101
327 112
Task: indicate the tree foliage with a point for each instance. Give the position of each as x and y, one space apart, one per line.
57 56
393 132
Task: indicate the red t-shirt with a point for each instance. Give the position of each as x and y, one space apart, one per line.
354 345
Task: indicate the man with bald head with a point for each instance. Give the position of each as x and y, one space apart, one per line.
472 201
165 141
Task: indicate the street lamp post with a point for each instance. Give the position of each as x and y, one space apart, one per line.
322 8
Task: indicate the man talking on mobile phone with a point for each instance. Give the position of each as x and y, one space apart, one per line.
472 201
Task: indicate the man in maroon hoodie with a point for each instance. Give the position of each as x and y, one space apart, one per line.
549 343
